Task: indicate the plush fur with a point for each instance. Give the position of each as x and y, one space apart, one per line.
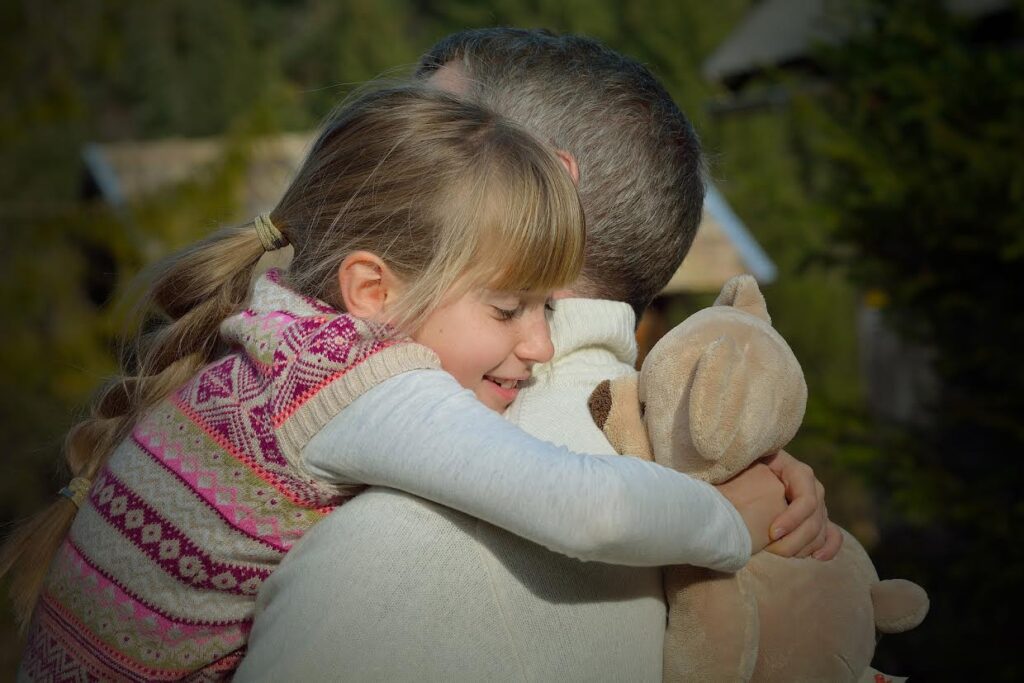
718 392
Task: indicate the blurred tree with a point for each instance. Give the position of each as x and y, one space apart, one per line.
921 136
337 45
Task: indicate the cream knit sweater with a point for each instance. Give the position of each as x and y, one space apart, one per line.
392 587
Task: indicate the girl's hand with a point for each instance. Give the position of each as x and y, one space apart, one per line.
803 529
760 498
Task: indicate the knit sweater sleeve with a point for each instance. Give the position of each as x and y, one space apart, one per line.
422 433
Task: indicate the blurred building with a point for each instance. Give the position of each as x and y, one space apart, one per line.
781 35
123 173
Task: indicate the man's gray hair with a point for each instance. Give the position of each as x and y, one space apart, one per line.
640 162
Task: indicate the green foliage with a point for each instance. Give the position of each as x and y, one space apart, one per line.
921 138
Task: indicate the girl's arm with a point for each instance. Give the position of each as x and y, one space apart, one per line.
422 433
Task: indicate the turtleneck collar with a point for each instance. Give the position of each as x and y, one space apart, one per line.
593 326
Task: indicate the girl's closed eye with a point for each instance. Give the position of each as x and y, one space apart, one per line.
510 310
506 305
508 313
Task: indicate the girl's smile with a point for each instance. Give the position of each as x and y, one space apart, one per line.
505 389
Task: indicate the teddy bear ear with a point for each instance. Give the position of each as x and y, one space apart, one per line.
742 292
716 398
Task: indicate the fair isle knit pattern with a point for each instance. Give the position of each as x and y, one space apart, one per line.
157 579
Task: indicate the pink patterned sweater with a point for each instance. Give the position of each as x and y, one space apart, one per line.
157 579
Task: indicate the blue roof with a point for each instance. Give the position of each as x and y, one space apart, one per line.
103 175
754 257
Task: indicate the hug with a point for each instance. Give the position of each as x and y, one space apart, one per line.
380 463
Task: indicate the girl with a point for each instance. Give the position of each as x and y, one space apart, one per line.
440 230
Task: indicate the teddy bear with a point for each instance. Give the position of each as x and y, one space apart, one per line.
718 392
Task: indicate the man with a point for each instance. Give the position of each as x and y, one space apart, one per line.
390 587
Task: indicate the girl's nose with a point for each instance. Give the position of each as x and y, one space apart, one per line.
535 343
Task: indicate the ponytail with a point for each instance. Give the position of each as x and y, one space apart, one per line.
191 293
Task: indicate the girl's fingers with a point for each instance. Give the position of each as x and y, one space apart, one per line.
833 543
815 545
803 529
805 532
793 523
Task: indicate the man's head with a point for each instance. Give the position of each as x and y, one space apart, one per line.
640 164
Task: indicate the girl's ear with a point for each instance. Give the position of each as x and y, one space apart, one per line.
368 287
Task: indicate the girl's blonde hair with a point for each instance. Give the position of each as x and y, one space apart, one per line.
448 194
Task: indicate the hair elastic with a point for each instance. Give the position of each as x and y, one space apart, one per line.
76 490
269 235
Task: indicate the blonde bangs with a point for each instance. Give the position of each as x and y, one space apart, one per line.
529 225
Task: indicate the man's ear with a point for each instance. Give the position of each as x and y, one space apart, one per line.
368 287
569 161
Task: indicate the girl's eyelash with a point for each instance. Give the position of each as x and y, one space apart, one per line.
510 313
